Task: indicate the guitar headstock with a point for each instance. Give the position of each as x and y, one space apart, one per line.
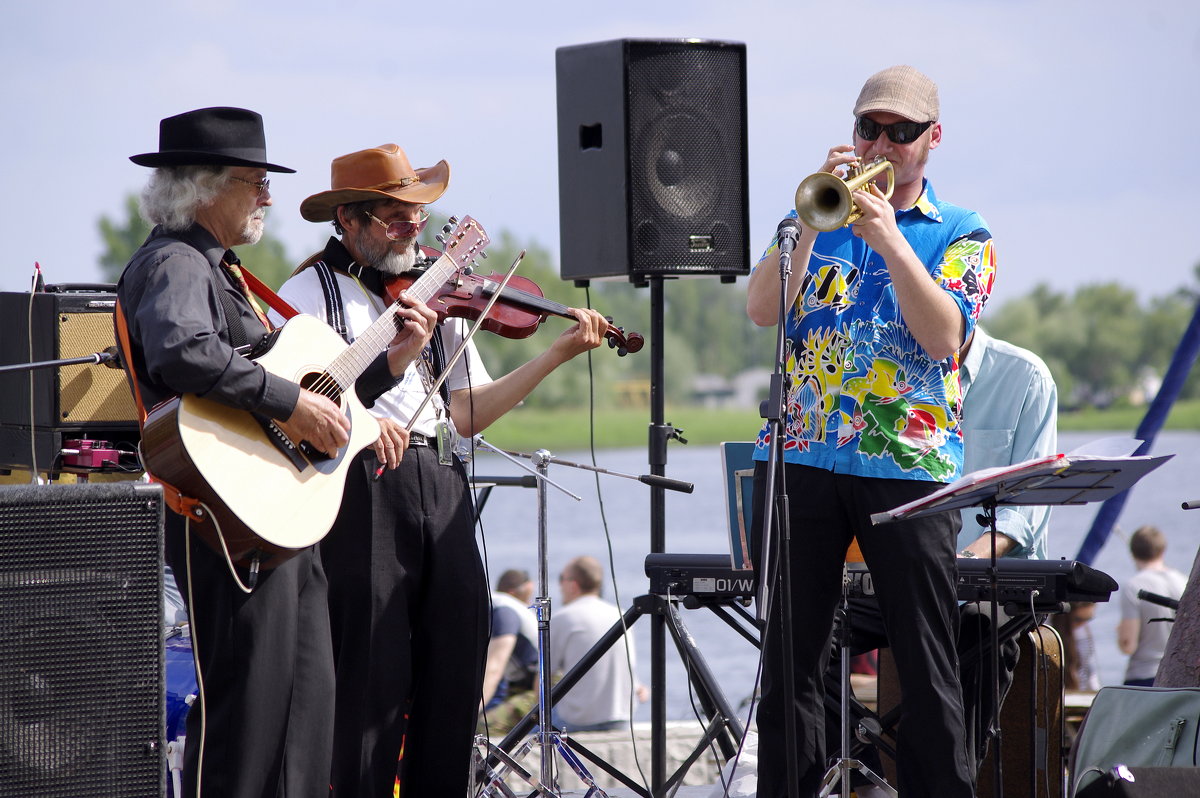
464 242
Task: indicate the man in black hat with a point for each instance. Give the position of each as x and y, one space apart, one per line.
263 654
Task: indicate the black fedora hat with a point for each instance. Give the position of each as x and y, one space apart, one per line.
217 136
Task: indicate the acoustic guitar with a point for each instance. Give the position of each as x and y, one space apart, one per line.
269 495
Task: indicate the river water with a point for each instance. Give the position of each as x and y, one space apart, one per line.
614 513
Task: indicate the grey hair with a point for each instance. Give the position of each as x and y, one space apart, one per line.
174 193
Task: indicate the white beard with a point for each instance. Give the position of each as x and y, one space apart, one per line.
386 259
252 233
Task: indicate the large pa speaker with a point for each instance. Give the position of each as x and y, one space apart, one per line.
652 171
81 629
39 409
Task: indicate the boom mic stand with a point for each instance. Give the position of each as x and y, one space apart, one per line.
548 739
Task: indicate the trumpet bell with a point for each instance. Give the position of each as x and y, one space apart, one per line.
825 201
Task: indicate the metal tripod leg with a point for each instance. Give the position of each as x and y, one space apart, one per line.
841 770
489 778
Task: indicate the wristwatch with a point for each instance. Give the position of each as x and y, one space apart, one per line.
968 554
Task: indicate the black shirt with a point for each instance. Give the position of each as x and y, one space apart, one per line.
178 331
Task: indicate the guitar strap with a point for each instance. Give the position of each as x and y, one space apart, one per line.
175 499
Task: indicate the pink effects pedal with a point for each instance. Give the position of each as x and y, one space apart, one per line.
82 453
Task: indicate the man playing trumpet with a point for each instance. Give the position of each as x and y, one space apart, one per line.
876 314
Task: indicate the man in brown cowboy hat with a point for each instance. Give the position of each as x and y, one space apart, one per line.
263 655
408 596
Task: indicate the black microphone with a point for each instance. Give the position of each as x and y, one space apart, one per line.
110 357
788 233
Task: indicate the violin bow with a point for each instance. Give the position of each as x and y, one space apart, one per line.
462 346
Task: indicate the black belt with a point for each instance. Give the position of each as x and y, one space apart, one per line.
417 439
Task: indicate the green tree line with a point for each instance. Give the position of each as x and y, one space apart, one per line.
1102 343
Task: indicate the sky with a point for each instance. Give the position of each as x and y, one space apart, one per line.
1069 125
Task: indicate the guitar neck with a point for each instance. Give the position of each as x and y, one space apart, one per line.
375 339
459 254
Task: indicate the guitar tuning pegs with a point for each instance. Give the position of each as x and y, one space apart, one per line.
483 254
440 239
453 220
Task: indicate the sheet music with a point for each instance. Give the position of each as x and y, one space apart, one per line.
1054 479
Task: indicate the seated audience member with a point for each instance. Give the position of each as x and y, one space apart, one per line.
603 698
510 671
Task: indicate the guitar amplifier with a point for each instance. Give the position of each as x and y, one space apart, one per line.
41 408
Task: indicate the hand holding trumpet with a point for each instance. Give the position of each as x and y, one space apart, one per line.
826 200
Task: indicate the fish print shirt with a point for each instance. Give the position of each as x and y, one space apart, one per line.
862 396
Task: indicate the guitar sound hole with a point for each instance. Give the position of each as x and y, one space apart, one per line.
319 382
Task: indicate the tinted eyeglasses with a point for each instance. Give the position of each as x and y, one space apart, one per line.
398 230
262 186
898 132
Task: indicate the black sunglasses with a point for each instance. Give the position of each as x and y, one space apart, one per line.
898 132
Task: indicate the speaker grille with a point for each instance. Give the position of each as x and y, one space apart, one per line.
81 697
652 158
687 146
87 392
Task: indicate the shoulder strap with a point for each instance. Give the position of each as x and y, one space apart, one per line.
333 299
175 499
264 292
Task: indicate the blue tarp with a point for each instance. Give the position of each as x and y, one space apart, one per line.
1152 422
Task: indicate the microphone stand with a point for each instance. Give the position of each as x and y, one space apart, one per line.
108 357
776 518
548 738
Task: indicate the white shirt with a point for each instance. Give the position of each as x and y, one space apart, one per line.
605 692
361 308
1152 636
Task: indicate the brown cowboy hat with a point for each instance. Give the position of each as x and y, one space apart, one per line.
378 173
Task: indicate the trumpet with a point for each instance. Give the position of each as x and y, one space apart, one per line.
825 201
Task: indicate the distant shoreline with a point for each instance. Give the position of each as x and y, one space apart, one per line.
529 429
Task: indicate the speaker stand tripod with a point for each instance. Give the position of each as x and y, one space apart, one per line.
841 770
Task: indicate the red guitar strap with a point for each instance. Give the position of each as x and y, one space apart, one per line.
175 499
264 292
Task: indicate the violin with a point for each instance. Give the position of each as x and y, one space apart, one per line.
518 312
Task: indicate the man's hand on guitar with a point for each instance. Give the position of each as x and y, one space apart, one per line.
411 338
392 441
319 421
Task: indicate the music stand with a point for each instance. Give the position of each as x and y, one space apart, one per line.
1051 480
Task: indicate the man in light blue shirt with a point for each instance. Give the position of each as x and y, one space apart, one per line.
1010 415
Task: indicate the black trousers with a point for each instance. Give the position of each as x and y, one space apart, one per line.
912 564
408 605
974 669
267 669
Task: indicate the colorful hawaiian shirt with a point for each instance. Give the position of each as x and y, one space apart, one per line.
863 397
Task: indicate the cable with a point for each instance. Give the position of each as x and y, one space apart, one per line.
187 543
627 642
33 469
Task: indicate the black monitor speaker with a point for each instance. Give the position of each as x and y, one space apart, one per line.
652 169
81 631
